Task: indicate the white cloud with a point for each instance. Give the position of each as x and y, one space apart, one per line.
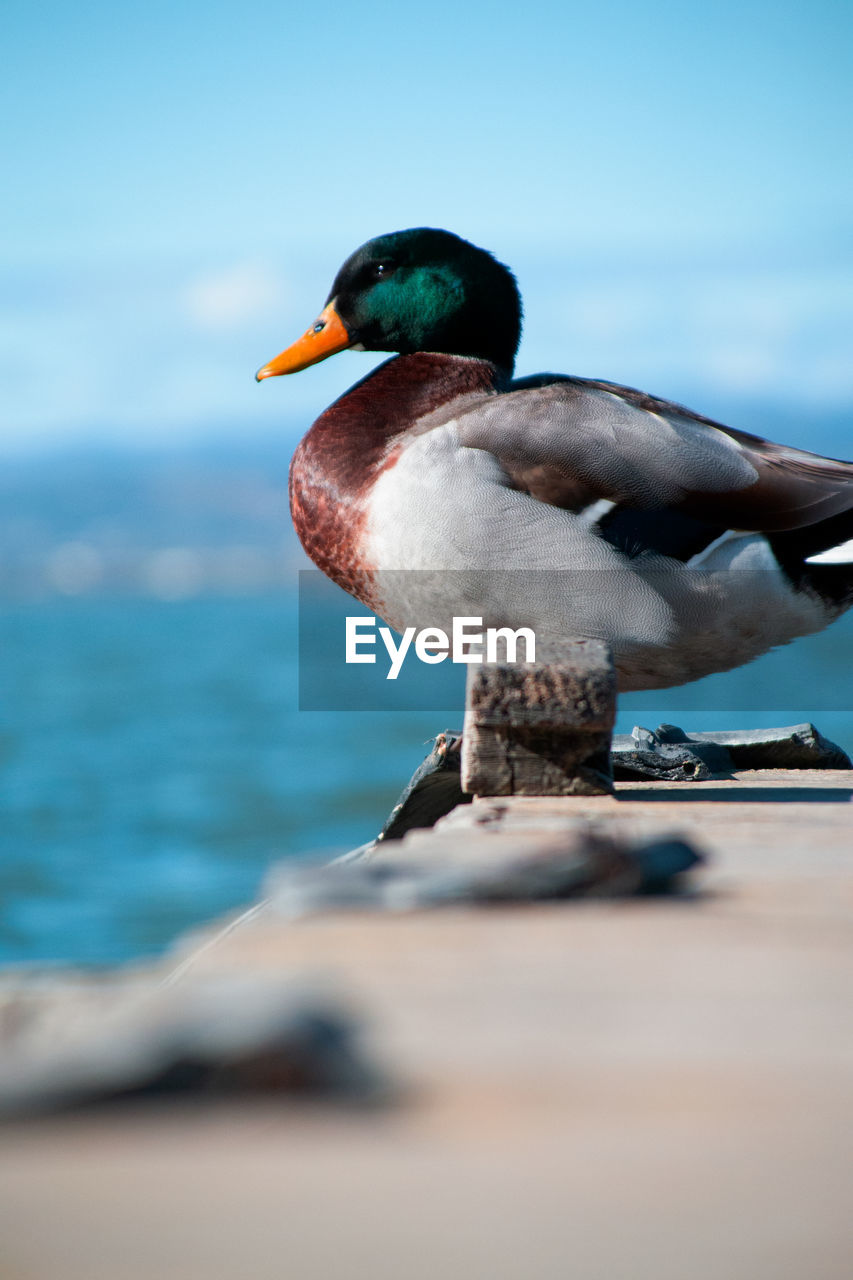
224 300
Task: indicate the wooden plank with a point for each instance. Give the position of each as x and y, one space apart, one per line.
536 729
657 1088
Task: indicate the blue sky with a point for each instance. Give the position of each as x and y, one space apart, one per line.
671 183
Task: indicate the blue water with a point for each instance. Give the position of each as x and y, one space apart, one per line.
153 760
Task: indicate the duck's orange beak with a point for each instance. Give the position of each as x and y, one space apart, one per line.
327 335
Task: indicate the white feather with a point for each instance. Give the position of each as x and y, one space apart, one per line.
596 511
482 548
842 554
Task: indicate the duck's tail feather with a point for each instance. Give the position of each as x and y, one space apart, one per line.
819 558
842 554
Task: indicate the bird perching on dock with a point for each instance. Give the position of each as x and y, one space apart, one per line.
574 506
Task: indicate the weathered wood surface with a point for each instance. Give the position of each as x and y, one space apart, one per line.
645 1089
541 729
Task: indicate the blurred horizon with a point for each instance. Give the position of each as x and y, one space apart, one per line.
181 518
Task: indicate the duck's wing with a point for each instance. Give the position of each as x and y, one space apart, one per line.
595 440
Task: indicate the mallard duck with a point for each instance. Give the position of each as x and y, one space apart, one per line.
441 486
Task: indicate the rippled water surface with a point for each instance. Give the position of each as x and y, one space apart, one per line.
153 761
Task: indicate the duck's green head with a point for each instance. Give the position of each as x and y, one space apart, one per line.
416 290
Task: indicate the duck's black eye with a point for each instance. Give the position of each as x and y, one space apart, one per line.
379 270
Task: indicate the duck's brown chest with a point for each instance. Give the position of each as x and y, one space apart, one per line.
354 442
329 508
